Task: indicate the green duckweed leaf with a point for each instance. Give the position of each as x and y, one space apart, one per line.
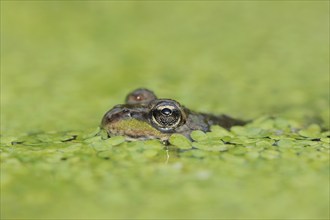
180 141
325 140
312 131
198 135
264 144
254 132
116 140
286 143
218 132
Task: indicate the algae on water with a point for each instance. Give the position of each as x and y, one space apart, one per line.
63 64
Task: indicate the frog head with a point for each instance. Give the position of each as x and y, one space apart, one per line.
144 117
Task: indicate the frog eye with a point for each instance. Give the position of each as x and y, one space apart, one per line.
166 115
140 96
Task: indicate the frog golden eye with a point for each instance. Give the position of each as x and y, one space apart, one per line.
140 96
166 115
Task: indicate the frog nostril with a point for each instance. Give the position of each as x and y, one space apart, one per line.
127 112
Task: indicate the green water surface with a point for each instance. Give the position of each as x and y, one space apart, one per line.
64 64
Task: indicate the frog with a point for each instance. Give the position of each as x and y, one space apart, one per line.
144 116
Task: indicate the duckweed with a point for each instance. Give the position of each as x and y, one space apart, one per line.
94 165
180 141
65 63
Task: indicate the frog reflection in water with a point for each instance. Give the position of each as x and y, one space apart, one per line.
144 116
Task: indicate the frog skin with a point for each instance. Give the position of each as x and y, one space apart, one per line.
144 116
140 96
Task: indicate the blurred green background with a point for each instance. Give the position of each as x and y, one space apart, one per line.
63 64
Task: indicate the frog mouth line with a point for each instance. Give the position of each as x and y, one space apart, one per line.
129 136
134 128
